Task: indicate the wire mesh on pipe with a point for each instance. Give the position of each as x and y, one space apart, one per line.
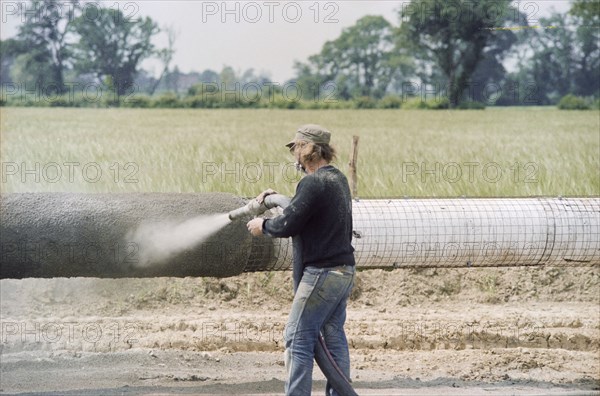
482 232
448 233
576 227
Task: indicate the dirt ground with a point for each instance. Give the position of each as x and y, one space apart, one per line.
517 331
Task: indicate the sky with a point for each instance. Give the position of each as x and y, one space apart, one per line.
265 35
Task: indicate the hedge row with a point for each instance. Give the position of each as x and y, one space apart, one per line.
572 102
170 100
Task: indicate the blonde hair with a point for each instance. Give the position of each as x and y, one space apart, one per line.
314 152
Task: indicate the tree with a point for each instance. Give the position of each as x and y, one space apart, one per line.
166 56
452 37
362 52
565 56
228 78
112 47
309 79
586 16
9 50
550 67
171 80
589 10
490 71
360 61
44 45
209 76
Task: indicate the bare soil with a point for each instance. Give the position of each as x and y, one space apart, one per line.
533 331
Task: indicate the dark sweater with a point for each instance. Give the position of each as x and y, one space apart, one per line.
320 214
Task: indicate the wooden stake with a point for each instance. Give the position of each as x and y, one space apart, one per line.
352 167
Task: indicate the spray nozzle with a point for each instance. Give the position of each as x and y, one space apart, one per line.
253 208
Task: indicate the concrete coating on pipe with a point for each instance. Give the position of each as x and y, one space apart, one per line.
65 235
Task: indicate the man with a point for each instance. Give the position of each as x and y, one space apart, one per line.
319 217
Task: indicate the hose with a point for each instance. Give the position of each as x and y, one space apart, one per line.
332 371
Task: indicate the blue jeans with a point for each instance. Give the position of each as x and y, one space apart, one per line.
319 306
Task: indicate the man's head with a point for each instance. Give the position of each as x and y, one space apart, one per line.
311 133
311 145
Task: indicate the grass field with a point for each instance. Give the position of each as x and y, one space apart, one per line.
496 152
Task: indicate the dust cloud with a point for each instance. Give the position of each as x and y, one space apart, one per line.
159 242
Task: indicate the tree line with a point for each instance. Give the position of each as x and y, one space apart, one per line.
57 46
439 55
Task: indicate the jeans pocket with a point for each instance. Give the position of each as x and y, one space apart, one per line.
333 285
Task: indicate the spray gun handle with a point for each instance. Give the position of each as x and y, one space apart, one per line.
273 200
255 208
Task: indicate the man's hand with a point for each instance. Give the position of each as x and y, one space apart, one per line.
262 195
255 226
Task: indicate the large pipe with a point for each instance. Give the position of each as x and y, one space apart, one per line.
67 235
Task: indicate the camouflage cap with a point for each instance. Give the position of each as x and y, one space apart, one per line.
312 133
